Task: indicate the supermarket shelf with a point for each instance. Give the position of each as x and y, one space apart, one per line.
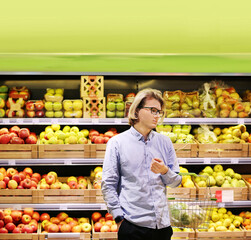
57 207
235 204
97 161
32 162
120 121
196 161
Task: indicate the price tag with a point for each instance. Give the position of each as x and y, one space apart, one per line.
12 162
182 161
240 121
95 120
234 160
227 195
182 121
63 207
118 120
103 207
54 121
67 162
207 160
218 195
221 205
17 207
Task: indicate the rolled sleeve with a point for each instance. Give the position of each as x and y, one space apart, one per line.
171 179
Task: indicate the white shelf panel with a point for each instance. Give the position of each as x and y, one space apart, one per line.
57 207
197 161
120 121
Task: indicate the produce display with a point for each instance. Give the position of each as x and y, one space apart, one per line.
115 106
4 92
190 105
187 181
223 220
246 219
217 177
16 135
73 108
104 223
34 108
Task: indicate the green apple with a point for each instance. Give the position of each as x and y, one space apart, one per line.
82 140
222 173
48 106
68 134
49 114
211 181
73 140
80 135
119 114
66 129
110 114
44 141
241 183
237 176
111 106
57 106
77 104
179 141
219 180
42 134
218 168
2 113
59 91
208 170
182 136
85 132
53 140
202 184
229 172
48 129
49 135
67 105
58 114
3 89
74 129
60 135
4 96
55 127
120 106
66 141
50 90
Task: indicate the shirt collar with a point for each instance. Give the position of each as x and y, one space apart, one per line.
139 135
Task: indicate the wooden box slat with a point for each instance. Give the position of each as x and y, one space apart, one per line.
186 150
181 192
18 151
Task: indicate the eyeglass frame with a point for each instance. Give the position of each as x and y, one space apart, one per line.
157 111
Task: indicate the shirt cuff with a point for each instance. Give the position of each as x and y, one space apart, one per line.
171 178
117 212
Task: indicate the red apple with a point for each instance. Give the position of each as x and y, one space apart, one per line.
53 228
3 171
11 172
81 186
34 180
114 228
109 223
24 133
2 184
16 140
40 113
105 228
29 211
28 171
99 140
106 139
7 219
26 183
10 227
76 228
30 105
20 187
20 225
1 214
102 220
96 216
31 139
12 135
21 175
50 179
73 223
27 229
36 216
17 178
10 114
65 228
39 104
12 184
3 230
26 219
62 216
15 129
4 131
31 114
108 216
5 138
44 216
73 185
55 220
16 215
6 180
1 223
109 134
34 226
97 226
17 230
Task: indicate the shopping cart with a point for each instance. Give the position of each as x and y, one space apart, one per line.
191 213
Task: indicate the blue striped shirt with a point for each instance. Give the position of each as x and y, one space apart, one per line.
129 187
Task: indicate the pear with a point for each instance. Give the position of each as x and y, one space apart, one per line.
218 168
237 176
241 183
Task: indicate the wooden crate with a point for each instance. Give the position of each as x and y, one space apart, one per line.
219 235
181 192
248 185
249 149
92 86
221 150
183 235
18 151
17 196
186 150
94 108
247 234
240 193
64 151
19 236
97 150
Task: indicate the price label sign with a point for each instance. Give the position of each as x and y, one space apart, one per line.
207 161
95 120
240 121
182 161
118 120
227 195
218 195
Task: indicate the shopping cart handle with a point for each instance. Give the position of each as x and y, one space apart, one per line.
188 174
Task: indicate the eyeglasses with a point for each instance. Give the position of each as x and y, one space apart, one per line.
155 111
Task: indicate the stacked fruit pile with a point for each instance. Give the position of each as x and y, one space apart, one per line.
223 220
115 106
100 138
4 92
104 224
34 108
217 177
246 220
15 135
13 179
96 177
2 105
73 108
177 133
190 105
17 221
53 102
63 223
68 135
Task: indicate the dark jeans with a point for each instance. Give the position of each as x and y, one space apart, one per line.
129 231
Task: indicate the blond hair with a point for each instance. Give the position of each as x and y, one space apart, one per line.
139 102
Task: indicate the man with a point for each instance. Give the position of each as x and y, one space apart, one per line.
139 164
